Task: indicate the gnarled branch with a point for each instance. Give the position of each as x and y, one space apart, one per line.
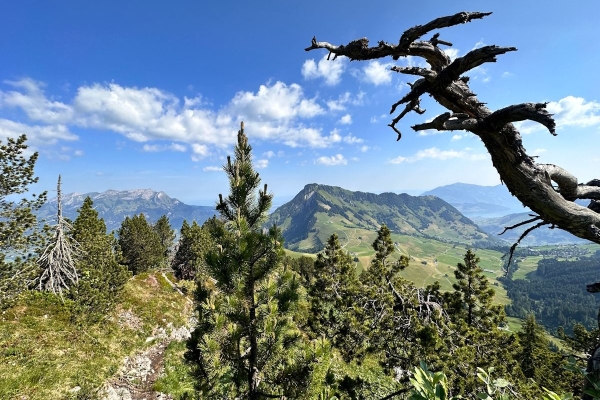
530 182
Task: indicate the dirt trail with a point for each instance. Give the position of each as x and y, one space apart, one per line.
140 372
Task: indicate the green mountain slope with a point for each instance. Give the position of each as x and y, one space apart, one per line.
320 210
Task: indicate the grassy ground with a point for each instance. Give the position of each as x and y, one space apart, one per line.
44 354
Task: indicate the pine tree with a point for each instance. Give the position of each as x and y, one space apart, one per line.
140 245
332 292
102 278
17 219
165 233
194 243
248 342
472 298
404 324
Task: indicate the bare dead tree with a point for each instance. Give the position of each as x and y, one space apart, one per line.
547 189
58 259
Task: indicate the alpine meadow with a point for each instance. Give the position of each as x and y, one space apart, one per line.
316 248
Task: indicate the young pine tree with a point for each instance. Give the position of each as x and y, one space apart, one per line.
101 277
471 301
248 343
333 293
140 245
194 243
165 233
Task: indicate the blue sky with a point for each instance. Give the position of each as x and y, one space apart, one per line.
148 94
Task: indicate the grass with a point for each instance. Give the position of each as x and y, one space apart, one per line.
178 379
43 353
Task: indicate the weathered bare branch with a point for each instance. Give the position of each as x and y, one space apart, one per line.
471 60
448 122
521 112
506 228
424 72
412 34
523 235
530 182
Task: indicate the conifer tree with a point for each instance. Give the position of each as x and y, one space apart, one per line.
102 278
332 293
17 219
165 233
194 243
404 324
472 298
140 245
248 343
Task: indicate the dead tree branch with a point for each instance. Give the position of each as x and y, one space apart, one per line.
444 80
58 259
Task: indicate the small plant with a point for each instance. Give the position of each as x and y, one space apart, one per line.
496 389
429 385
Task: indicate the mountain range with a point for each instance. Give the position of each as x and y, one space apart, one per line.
458 213
319 210
479 201
114 206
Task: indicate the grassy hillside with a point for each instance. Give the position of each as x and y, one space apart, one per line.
320 210
44 353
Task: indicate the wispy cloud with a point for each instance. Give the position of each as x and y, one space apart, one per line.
212 168
337 159
437 154
261 164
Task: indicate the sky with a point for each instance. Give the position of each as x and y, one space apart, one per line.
150 94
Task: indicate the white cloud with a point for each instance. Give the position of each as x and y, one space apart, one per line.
346 120
275 112
330 70
569 111
364 149
456 137
452 53
352 139
269 154
199 151
78 153
344 99
153 148
260 164
480 73
539 151
338 159
437 154
212 168
35 103
575 111
479 44
37 135
507 74
378 73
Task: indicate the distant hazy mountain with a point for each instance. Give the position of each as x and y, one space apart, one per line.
319 210
114 206
479 201
538 237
